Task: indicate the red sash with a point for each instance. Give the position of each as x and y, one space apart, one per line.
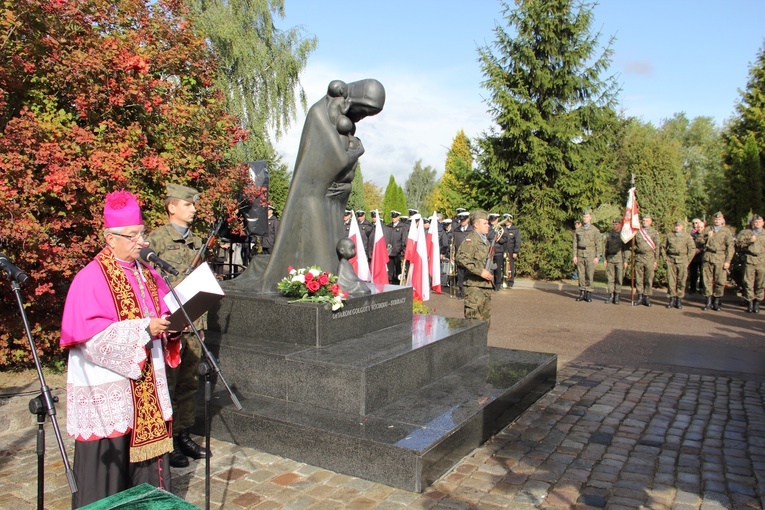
150 436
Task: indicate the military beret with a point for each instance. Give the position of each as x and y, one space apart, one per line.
718 214
359 214
394 214
182 192
463 215
617 220
480 215
447 221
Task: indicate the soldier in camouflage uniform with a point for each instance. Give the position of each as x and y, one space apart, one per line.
472 255
588 247
677 249
175 243
718 252
647 249
751 242
617 255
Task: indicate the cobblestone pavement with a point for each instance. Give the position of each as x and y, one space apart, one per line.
607 436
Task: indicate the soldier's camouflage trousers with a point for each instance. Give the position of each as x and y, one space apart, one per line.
183 383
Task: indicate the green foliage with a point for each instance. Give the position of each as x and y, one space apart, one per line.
549 157
455 189
373 196
357 201
419 185
98 95
745 148
259 66
394 199
279 186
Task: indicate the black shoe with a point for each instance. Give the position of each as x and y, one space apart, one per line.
678 303
610 298
716 304
671 302
581 296
750 306
587 296
756 306
638 301
616 298
188 447
178 459
647 301
707 303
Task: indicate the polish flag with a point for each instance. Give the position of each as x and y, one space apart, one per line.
418 260
434 255
379 254
631 222
359 261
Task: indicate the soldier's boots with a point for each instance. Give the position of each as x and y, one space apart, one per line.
750 306
716 304
708 303
678 303
610 298
647 301
638 301
587 296
581 296
756 306
616 298
188 447
177 458
671 302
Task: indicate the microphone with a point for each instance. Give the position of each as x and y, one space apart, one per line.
148 255
13 272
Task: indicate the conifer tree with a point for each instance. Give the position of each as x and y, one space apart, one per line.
357 201
547 157
454 188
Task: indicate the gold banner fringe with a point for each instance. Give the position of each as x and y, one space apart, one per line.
150 451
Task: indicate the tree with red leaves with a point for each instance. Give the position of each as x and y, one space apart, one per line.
96 96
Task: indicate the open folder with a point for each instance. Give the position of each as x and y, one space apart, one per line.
198 292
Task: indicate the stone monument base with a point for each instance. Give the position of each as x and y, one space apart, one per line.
400 402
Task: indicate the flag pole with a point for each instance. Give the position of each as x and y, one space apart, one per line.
632 254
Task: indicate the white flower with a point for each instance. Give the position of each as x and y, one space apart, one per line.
315 272
294 271
337 303
299 278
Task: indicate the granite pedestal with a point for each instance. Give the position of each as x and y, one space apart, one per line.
371 390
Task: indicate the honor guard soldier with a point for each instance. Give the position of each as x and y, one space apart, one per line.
751 243
647 247
719 247
588 246
446 241
499 236
695 281
473 256
273 229
367 232
175 243
616 258
677 249
347 221
512 248
399 232
460 233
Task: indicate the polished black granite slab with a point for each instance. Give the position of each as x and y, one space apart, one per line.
272 318
408 443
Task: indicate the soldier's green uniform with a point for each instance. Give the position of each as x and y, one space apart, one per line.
719 247
677 249
472 256
178 246
754 263
616 254
646 258
588 245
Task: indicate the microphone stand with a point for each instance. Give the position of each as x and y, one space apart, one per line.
204 369
41 405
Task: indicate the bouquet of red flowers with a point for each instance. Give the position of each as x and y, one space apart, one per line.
314 285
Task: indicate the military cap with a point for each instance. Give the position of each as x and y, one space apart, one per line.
347 212
679 222
404 218
493 216
447 221
426 219
412 212
394 214
480 215
359 214
463 215
648 216
272 207
182 192
461 210
718 214
756 217
373 214
616 220
586 212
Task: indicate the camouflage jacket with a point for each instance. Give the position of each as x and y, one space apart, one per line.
472 255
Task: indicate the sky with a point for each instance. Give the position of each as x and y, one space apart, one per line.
670 56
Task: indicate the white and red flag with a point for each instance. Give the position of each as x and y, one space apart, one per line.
359 261
380 256
434 254
417 256
631 222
